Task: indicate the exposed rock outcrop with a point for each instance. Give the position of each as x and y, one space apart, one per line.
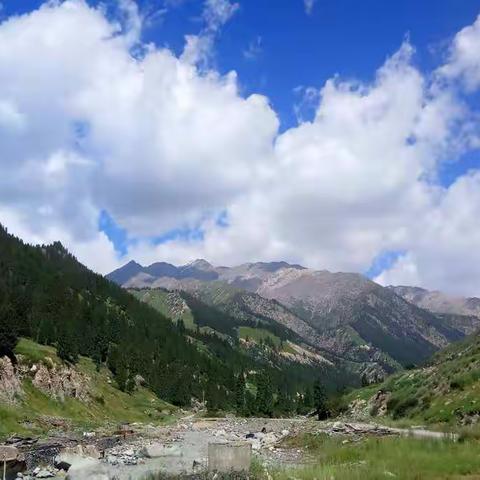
61 382
10 385
378 404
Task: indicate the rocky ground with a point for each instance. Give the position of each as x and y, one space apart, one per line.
180 448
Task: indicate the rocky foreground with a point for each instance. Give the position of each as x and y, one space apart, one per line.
137 450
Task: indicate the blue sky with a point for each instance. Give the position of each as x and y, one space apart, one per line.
363 175
345 37
276 47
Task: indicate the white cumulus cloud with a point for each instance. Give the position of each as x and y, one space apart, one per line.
165 142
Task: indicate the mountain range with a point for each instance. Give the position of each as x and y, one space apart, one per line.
345 317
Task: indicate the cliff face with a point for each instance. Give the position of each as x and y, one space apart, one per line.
10 384
56 381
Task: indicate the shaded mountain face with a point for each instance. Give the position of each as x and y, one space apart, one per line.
344 314
462 312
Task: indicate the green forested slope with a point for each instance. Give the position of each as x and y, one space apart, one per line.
48 296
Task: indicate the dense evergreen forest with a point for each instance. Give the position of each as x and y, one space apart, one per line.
47 295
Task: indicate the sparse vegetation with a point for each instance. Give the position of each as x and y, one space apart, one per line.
445 391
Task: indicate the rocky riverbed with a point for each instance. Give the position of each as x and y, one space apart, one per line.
180 448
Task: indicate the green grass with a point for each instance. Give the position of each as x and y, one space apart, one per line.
107 405
382 458
258 335
287 348
159 300
34 352
445 392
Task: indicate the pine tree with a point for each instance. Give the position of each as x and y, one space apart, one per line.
240 394
265 394
8 334
250 404
320 400
212 397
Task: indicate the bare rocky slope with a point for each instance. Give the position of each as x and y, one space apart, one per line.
462 312
343 314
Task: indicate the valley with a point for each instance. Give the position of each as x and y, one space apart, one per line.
136 380
362 327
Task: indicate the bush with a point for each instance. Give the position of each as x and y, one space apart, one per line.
400 407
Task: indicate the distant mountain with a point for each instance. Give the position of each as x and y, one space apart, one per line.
134 275
344 314
439 302
462 312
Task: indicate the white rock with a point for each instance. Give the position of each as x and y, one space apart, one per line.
158 450
89 469
44 474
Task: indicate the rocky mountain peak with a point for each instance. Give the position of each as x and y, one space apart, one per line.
201 264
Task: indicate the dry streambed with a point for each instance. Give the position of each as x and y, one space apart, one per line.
181 448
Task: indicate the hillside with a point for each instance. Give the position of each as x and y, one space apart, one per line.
43 395
446 390
343 315
260 338
48 296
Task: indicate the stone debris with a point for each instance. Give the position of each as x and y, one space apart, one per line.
361 429
358 430
183 447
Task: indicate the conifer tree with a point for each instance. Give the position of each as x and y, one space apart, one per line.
240 394
265 394
320 400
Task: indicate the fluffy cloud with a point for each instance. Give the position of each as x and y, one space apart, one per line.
309 4
463 59
86 126
444 251
164 142
358 180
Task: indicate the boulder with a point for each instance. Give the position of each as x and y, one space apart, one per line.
88 468
44 473
91 451
8 453
229 457
156 450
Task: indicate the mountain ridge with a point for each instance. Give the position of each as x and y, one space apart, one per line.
352 316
